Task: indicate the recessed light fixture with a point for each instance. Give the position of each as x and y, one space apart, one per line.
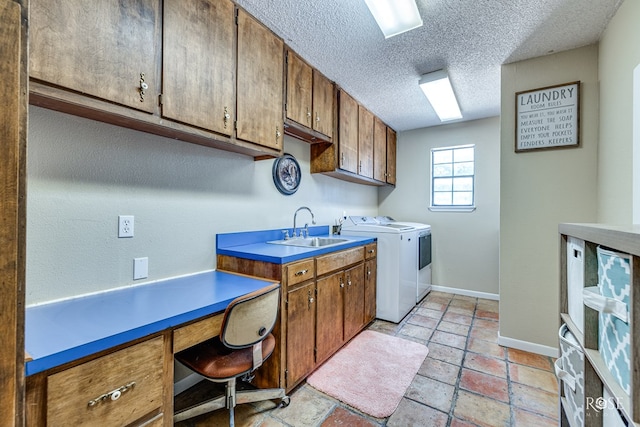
395 16
437 88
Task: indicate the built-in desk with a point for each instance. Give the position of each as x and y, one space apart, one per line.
107 358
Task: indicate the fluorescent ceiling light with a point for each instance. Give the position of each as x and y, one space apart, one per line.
437 88
395 16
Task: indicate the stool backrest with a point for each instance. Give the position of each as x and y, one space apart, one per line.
249 319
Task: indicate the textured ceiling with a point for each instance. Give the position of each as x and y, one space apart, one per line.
470 38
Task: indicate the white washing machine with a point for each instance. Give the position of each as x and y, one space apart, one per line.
424 254
397 264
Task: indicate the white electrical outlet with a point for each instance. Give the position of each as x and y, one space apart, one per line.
125 226
140 268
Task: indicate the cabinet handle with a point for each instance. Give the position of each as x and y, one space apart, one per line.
308 113
317 118
227 116
278 134
300 273
341 283
310 300
342 159
360 166
349 282
112 395
143 87
369 272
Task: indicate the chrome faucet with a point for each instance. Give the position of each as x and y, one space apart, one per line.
313 219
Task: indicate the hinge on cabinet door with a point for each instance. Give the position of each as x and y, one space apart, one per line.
235 125
160 99
286 374
236 13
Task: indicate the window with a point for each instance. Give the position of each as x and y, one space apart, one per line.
453 178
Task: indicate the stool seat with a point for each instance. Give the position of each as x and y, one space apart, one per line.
214 360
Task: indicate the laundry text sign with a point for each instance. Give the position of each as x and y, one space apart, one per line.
548 117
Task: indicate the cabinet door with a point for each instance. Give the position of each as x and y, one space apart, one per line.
370 274
323 104
299 90
365 142
260 116
353 301
379 150
301 308
348 133
199 64
329 313
106 49
391 156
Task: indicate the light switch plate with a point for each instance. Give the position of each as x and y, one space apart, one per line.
140 268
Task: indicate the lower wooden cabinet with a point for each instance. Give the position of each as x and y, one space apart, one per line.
327 300
125 387
301 316
353 301
330 315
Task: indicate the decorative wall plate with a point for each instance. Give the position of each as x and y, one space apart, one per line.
286 174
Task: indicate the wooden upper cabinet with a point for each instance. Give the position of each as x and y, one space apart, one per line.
365 142
391 156
299 90
379 150
260 81
199 63
310 101
323 104
348 133
106 49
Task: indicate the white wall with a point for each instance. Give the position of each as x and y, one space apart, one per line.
82 174
539 190
465 244
619 56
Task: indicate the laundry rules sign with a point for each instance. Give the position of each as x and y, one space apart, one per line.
548 117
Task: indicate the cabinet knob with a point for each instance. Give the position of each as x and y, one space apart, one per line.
143 87
300 273
227 116
310 300
308 113
317 118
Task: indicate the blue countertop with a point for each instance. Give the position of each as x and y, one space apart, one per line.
253 245
63 331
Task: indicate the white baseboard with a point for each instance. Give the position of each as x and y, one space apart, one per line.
475 294
528 346
185 383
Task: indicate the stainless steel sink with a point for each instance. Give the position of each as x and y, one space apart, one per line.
310 242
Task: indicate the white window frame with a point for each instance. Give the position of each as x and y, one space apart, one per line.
453 207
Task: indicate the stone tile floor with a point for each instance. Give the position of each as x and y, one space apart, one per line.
466 380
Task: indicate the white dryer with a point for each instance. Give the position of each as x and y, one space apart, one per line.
397 264
424 253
